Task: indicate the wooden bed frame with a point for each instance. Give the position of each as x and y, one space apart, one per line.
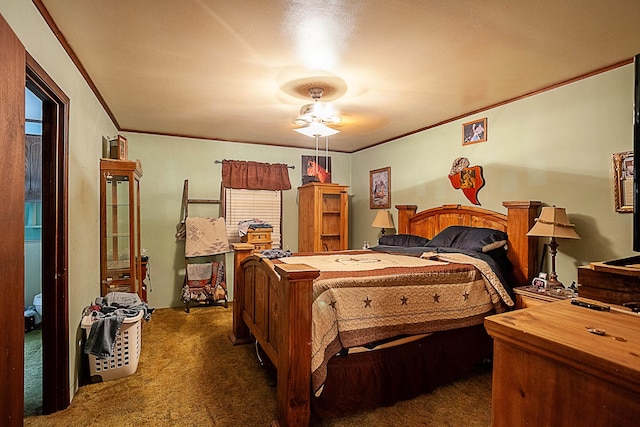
275 309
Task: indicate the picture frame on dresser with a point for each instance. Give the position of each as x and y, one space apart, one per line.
316 169
118 148
623 172
380 188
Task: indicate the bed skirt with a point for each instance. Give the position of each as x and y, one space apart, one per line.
364 381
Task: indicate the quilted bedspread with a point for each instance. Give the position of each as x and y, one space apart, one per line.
361 298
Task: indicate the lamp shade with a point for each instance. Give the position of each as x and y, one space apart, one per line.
553 222
383 220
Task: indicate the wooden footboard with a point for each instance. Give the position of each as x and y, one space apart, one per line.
273 303
276 310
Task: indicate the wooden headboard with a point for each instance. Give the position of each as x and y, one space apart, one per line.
520 216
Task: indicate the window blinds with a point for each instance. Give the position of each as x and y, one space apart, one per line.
241 205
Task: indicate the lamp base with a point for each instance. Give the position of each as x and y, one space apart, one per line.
553 283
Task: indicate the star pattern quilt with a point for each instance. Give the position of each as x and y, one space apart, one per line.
362 298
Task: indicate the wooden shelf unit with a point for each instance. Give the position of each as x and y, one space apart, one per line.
323 217
120 250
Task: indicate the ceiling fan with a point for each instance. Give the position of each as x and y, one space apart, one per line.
315 117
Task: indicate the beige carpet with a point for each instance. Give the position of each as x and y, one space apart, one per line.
189 374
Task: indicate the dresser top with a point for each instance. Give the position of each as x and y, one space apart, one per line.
560 330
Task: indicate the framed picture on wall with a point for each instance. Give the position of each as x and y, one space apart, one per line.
474 132
623 172
380 188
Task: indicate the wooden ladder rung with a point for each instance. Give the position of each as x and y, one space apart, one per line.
204 201
184 211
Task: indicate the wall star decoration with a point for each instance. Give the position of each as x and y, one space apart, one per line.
465 178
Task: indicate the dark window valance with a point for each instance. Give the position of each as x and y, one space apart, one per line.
255 176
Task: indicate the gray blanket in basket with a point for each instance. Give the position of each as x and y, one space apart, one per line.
114 309
102 337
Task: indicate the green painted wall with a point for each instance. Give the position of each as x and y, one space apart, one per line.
554 147
168 161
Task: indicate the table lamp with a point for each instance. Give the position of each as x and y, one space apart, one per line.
553 222
383 220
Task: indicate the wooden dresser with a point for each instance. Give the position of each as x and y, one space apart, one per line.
323 217
549 370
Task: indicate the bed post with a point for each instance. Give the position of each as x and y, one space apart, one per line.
523 249
404 213
240 331
294 347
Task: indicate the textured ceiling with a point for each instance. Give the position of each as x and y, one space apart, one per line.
233 70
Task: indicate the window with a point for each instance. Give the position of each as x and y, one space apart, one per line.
242 205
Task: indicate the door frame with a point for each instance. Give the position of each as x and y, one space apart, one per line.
55 330
16 68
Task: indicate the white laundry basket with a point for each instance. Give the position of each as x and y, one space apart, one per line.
126 352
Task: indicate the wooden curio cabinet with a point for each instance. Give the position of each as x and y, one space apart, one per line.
323 217
120 257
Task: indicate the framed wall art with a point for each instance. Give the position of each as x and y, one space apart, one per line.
623 171
474 132
380 188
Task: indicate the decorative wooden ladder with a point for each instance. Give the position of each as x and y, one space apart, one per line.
181 233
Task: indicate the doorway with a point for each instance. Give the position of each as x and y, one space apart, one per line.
54 232
33 312
19 70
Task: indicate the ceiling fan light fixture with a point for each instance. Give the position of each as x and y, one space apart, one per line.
316 129
315 116
307 118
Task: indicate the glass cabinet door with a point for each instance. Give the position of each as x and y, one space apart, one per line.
120 226
118 237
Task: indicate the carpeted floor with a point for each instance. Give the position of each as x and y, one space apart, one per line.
189 374
33 372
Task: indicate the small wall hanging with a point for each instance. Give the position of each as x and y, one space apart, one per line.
380 188
474 132
465 178
623 171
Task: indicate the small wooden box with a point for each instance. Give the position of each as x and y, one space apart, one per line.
118 148
259 237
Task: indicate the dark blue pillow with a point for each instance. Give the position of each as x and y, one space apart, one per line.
406 240
469 238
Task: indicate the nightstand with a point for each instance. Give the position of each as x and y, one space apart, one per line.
528 296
